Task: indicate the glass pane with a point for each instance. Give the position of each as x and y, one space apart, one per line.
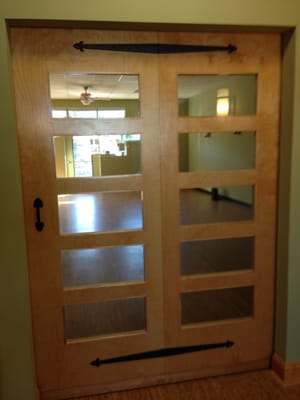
102 265
105 318
77 93
59 114
97 155
216 151
219 255
216 305
102 211
211 95
82 114
208 205
111 113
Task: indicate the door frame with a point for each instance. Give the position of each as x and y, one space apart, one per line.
189 375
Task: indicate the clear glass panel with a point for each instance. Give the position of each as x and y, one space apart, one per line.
223 204
59 113
97 155
219 255
84 95
111 113
101 211
82 114
102 265
211 95
105 318
216 305
216 151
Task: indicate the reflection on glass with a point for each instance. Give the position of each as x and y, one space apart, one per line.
222 95
216 151
223 204
88 114
94 95
102 265
97 155
216 305
105 318
219 255
102 211
59 113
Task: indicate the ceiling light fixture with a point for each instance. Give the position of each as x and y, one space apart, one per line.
86 102
223 102
85 97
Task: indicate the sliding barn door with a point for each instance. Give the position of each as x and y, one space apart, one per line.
219 144
149 185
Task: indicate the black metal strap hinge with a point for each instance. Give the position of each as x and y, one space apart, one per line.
161 353
152 48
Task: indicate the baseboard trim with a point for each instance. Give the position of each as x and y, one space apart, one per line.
288 373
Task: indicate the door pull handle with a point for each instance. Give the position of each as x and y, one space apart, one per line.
37 204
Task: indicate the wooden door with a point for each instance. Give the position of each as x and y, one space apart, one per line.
167 239
219 203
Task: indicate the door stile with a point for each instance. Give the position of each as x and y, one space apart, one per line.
266 190
170 200
31 122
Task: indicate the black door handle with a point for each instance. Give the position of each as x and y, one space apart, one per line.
37 204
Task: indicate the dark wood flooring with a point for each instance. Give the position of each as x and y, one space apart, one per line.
260 385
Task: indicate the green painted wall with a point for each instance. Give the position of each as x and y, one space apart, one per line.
16 356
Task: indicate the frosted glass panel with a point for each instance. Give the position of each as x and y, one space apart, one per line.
102 265
216 151
219 255
105 318
102 211
217 95
216 305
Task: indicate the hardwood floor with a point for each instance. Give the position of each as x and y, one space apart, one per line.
261 385
94 212
113 211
